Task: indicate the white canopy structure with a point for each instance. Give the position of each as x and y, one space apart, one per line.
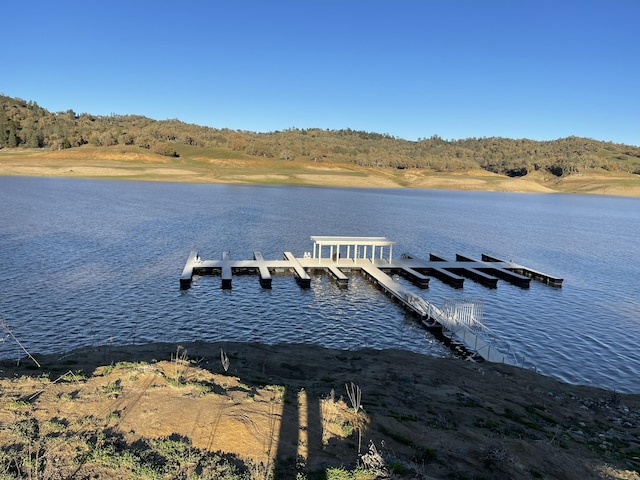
344 247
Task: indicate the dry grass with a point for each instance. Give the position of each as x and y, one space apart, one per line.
217 166
284 409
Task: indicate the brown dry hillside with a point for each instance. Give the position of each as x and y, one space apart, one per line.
34 141
132 163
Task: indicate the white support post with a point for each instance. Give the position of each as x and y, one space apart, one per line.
331 253
390 253
348 251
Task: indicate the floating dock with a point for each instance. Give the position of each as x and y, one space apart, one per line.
373 257
523 271
265 274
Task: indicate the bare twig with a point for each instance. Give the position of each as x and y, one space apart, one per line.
355 396
181 363
224 360
60 378
6 327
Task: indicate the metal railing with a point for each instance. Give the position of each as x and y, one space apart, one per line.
459 320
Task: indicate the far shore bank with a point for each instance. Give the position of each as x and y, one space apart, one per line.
135 165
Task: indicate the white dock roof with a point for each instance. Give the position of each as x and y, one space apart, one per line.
335 240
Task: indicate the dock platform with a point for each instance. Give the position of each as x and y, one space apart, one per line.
497 271
527 272
415 277
187 271
302 277
265 274
225 272
367 256
341 279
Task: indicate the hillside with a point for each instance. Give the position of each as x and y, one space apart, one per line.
36 141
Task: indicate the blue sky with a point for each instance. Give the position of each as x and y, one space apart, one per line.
456 68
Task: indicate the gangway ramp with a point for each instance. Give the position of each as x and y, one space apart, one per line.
473 335
391 288
470 333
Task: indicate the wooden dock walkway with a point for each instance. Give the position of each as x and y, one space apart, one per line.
359 254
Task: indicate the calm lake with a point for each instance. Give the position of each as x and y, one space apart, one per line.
87 262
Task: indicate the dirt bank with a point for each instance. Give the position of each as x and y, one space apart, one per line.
285 409
124 163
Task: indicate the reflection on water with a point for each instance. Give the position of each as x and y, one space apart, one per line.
90 262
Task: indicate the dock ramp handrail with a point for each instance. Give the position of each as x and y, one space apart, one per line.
461 324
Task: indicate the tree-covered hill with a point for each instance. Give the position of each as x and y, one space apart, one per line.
24 124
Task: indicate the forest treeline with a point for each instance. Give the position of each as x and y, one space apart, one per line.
24 124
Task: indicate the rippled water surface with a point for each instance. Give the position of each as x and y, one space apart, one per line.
89 262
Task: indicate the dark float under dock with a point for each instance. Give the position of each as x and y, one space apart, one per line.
373 257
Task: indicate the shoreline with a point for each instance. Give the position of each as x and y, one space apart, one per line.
435 417
86 358
114 164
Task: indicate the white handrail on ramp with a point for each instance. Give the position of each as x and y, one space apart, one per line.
460 320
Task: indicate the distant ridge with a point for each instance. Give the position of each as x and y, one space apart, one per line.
24 124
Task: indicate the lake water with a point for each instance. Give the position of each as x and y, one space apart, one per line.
87 262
